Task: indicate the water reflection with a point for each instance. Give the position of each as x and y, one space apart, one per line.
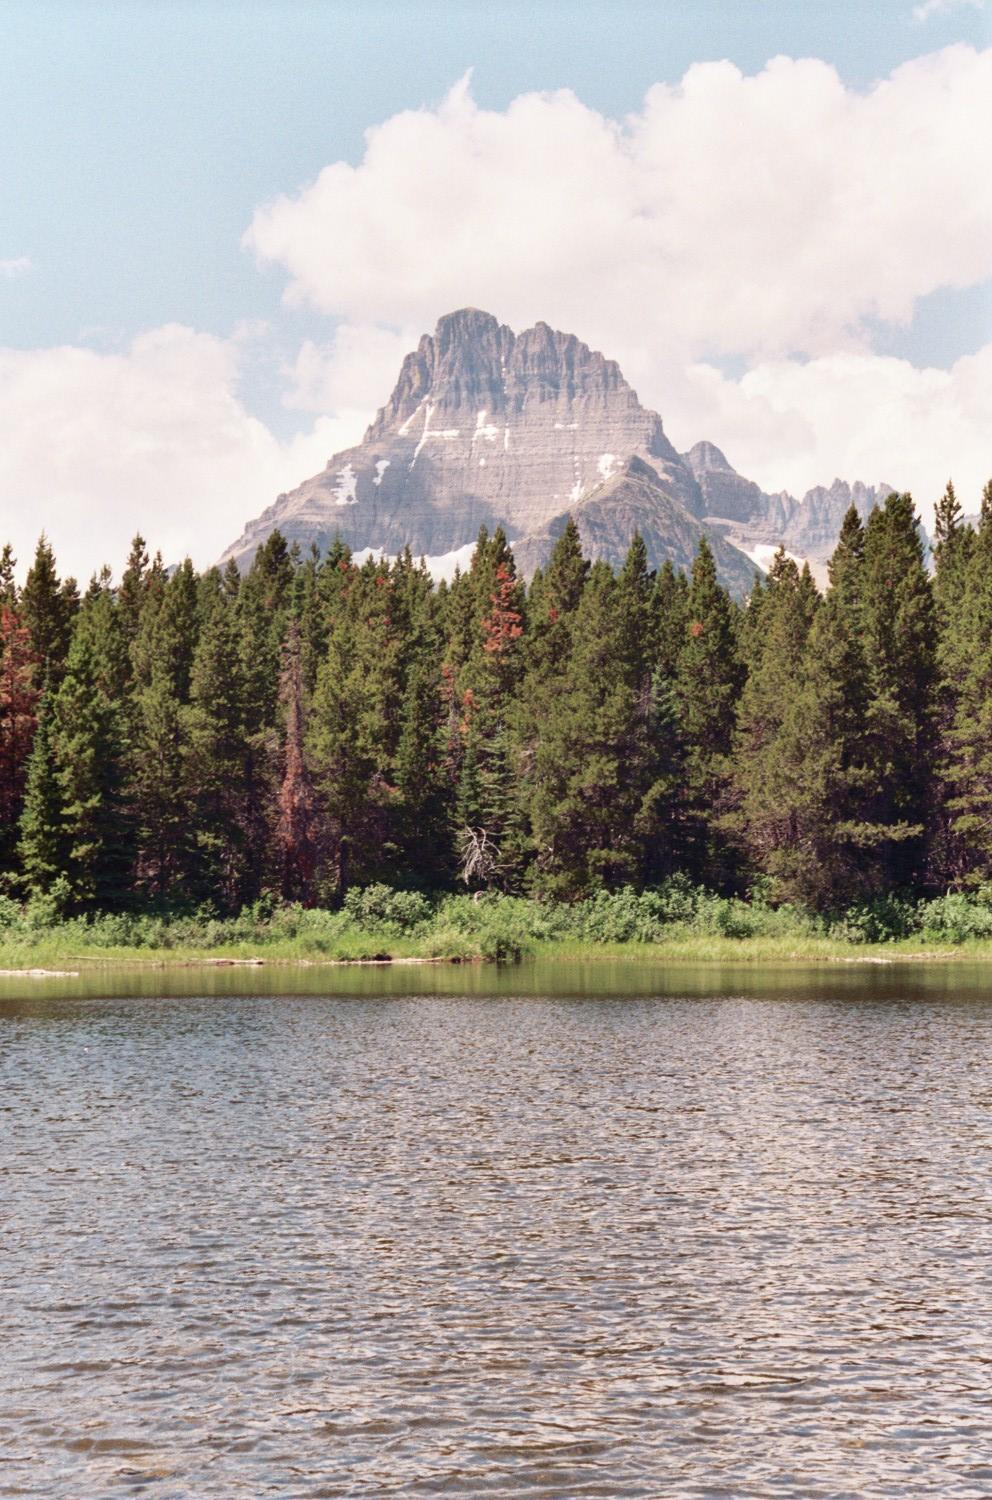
671 1244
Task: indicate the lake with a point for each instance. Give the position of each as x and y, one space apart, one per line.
600 1230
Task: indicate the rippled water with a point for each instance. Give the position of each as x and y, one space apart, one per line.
330 1245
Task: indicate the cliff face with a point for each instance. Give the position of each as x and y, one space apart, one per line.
751 518
488 427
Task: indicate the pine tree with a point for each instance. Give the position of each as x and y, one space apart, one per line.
555 595
786 617
966 659
952 547
89 755
134 585
355 725
9 593
297 837
635 597
814 786
158 783
18 709
809 595
424 814
484 688
48 608
166 637
308 611
263 605
709 677
596 778
219 770
44 846
846 565
898 628
670 620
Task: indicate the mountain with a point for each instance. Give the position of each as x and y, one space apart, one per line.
756 522
486 427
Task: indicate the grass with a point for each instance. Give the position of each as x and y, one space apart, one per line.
692 947
677 923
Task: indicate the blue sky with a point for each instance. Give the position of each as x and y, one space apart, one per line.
139 142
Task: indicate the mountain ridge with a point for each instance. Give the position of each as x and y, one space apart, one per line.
487 427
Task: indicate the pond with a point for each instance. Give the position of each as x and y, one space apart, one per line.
602 1230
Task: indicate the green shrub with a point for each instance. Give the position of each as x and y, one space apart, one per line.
625 916
954 918
45 908
11 915
881 920
381 906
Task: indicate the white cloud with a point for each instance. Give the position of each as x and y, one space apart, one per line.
757 216
790 425
354 372
20 265
774 220
770 219
930 8
156 439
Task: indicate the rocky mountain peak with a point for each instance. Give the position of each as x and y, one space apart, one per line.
489 427
473 362
463 362
706 458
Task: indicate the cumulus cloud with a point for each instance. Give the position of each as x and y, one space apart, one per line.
156 438
19 265
765 224
352 372
790 424
774 220
758 216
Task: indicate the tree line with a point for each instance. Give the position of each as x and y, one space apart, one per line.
179 740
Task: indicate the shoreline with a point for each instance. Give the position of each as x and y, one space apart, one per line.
717 951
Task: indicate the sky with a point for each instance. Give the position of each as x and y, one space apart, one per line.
223 223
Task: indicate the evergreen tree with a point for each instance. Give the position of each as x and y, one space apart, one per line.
43 845
264 600
89 756
424 816
379 634
750 626
596 779
206 738
134 585
898 632
786 617
48 608
218 764
810 816
809 595
18 707
966 659
484 687
635 597
709 677
309 612
952 547
297 834
159 789
846 567
670 620
555 595
9 593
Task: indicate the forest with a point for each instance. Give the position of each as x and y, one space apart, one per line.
180 742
